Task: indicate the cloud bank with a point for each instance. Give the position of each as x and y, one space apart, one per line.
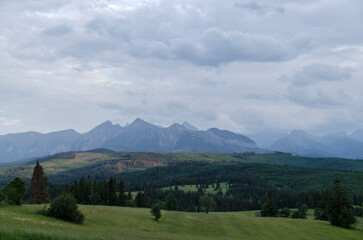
246 66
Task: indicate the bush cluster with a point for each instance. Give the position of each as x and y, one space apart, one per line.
64 207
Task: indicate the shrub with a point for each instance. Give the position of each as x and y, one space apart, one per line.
285 212
14 191
65 207
301 211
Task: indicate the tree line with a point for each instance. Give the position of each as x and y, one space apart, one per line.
244 192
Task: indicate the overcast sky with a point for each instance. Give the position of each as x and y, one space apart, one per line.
245 66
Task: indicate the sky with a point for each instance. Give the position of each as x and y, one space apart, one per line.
253 67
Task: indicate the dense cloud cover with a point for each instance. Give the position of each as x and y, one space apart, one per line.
246 66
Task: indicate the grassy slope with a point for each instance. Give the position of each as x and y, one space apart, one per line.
135 223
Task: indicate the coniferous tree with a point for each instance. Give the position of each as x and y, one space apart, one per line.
155 211
321 212
74 189
121 196
301 210
112 191
129 196
269 209
170 202
81 191
340 210
141 200
38 192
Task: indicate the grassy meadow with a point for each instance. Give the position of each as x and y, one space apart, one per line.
104 222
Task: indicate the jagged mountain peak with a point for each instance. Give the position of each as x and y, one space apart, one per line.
104 126
139 123
137 136
189 126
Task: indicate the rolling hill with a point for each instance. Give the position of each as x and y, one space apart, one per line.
279 169
136 223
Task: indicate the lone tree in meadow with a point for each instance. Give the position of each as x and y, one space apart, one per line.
155 211
340 210
207 203
38 192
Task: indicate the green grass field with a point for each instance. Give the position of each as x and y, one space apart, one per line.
135 223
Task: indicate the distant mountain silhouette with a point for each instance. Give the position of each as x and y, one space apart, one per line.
337 144
137 136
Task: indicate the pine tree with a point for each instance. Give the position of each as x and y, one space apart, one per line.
121 196
170 202
81 191
141 200
129 196
340 210
301 210
112 192
155 211
38 192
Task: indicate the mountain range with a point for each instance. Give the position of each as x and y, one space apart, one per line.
338 144
137 136
141 136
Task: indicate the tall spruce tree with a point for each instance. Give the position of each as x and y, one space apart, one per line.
112 191
340 210
121 196
38 192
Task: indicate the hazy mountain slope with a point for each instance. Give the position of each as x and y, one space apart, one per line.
331 145
143 136
189 126
137 136
98 136
32 144
357 135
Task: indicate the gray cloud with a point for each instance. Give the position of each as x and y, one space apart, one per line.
58 31
259 8
73 64
316 73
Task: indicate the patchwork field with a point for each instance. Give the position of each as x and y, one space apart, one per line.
136 223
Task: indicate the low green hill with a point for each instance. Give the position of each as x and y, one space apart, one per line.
136 223
66 167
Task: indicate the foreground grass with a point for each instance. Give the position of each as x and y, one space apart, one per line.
135 223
